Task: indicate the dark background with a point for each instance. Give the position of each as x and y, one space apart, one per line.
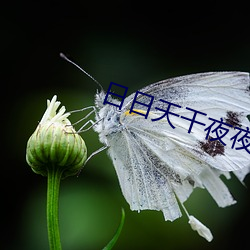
130 43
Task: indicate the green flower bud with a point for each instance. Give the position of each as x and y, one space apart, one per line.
55 144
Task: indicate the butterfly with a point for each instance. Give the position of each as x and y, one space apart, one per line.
159 160
158 166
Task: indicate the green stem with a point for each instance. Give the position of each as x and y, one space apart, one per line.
54 177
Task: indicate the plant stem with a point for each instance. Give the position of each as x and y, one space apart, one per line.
54 177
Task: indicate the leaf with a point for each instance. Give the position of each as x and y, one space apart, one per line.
117 234
248 117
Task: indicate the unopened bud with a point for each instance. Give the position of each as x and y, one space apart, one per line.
55 143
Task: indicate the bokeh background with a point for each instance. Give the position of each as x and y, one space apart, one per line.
130 43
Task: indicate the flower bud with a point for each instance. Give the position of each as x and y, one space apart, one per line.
55 144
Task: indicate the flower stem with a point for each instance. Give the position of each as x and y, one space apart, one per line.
53 185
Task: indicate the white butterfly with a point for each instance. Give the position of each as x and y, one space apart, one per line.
159 166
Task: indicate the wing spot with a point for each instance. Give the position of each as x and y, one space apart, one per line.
212 148
232 118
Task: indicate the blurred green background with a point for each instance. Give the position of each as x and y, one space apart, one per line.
133 45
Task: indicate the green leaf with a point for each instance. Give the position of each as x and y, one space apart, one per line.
248 117
117 234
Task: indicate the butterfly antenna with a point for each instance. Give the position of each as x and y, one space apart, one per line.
68 60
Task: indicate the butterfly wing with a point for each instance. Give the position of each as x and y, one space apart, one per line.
204 91
217 95
141 182
153 168
156 163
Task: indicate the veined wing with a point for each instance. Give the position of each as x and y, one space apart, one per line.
204 91
153 166
141 184
219 95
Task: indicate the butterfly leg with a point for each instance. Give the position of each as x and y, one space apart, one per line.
83 109
91 155
81 129
96 152
86 116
